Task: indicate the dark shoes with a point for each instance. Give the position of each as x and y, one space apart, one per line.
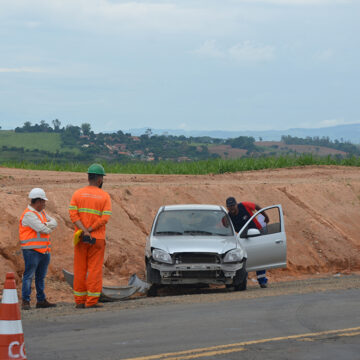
95 306
82 306
263 286
44 304
25 305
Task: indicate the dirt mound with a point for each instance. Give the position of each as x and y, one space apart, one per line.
321 208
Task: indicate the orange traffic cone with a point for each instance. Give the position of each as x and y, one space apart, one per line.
11 333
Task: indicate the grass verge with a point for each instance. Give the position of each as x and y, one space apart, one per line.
212 166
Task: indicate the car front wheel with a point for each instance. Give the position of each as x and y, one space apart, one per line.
152 277
240 279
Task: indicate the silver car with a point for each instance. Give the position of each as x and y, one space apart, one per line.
197 244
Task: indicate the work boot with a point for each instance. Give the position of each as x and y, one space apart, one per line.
44 304
25 305
263 286
80 306
95 306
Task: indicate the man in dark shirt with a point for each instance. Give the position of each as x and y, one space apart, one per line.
239 214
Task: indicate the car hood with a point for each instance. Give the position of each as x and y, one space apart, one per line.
194 244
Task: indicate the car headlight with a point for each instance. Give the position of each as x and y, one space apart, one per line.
161 256
235 255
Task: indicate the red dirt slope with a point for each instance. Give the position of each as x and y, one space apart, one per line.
321 207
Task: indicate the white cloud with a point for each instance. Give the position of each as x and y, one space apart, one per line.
209 49
22 70
301 2
324 55
104 15
205 16
247 51
333 122
243 52
183 126
32 24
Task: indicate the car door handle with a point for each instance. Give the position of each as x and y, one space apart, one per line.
279 241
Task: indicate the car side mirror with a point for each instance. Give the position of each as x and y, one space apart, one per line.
253 233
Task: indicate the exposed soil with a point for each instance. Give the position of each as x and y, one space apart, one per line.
228 152
321 208
301 149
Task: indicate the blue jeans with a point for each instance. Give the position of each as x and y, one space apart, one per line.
35 263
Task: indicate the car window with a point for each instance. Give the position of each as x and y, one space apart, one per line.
193 222
273 225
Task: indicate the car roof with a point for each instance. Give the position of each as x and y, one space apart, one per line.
191 207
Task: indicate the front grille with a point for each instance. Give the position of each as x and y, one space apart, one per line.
209 274
187 258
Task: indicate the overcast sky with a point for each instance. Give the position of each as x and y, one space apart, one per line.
189 64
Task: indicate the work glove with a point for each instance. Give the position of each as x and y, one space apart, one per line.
78 237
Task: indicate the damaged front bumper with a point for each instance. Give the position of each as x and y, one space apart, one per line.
197 273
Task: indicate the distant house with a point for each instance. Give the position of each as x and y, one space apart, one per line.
120 147
183 158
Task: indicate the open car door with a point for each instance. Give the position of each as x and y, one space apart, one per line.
266 248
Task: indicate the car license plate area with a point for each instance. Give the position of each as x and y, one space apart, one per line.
212 274
198 267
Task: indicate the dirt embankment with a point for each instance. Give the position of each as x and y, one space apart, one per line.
321 208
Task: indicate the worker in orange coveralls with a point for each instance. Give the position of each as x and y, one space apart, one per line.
90 210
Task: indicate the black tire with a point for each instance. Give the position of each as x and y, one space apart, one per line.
152 275
240 279
153 291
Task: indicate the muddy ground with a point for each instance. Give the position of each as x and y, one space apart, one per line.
321 208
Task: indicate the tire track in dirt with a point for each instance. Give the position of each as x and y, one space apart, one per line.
317 216
133 218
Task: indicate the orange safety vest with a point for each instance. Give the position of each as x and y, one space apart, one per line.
30 239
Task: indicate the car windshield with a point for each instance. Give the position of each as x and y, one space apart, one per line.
193 222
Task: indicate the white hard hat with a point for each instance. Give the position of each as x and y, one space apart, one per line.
37 193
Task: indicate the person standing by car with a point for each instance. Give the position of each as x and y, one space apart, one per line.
239 214
35 226
90 210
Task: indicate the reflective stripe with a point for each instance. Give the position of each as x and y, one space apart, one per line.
34 247
33 240
90 211
9 296
77 293
10 327
107 213
261 276
97 294
71 207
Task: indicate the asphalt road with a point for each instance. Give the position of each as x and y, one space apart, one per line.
324 325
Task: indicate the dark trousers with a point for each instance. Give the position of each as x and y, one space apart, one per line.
35 264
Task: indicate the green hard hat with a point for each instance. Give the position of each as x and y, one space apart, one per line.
96 169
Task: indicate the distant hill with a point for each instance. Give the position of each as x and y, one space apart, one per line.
350 132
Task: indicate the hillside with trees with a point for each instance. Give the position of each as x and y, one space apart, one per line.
71 143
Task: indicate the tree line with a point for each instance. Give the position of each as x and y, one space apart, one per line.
324 141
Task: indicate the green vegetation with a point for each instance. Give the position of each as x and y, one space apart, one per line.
346 146
66 148
242 142
212 166
50 142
